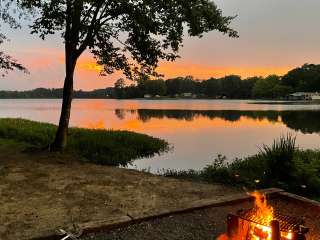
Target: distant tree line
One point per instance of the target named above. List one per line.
(55, 93)
(301, 79)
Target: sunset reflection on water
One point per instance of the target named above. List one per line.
(198, 129)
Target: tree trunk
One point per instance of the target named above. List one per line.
(60, 141)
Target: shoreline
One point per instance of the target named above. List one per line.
(58, 190)
(248, 101)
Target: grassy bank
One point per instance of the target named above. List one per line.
(281, 165)
(109, 147)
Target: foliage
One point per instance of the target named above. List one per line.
(305, 78)
(211, 87)
(279, 157)
(180, 85)
(56, 93)
(270, 87)
(119, 86)
(230, 86)
(106, 147)
(233, 87)
(120, 83)
(125, 35)
(155, 87)
(7, 63)
(281, 165)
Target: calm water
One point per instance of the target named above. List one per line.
(198, 129)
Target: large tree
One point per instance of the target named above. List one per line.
(126, 35)
(305, 78)
(7, 63)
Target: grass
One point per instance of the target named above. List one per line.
(281, 165)
(108, 147)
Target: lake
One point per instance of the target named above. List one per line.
(197, 129)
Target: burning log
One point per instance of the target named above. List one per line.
(263, 223)
(233, 225)
(275, 230)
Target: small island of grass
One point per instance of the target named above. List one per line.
(107, 147)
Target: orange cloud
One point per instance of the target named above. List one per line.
(206, 71)
(89, 64)
(51, 62)
(201, 71)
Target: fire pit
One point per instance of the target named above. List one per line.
(263, 223)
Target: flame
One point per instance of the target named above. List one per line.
(257, 231)
(265, 211)
(262, 207)
(223, 237)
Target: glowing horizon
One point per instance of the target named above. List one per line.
(275, 36)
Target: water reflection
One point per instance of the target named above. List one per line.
(304, 121)
(198, 129)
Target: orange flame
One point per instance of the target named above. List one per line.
(262, 207)
(257, 232)
(223, 237)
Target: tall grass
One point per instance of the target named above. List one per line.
(279, 158)
(107, 147)
(282, 165)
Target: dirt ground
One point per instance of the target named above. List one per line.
(40, 193)
(205, 224)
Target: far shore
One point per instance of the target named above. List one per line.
(250, 101)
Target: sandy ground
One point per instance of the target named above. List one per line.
(40, 193)
(205, 224)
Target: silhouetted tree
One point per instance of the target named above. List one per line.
(119, 31)
(230, 86)
(263, 88)
(305, 78)
(119, 86)
(270, 87)
(181, 85)
(246, 87)
(211, 87)
(156, 87)
(120, 83)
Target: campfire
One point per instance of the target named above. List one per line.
(262, 222)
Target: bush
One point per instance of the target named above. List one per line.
(279, 159)
(107, 147)
(280, 165)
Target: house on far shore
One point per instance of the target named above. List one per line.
(147, 96)
(304, 96)
(316, 97)
(188, 95)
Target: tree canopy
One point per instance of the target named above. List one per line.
(130, 36)
(127, 35)
(7, 63)
(305, 78)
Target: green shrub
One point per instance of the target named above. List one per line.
(279, 158)
(281, 165)
(306, 173)
(107, 147)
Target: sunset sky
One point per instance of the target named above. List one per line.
(275, 36)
